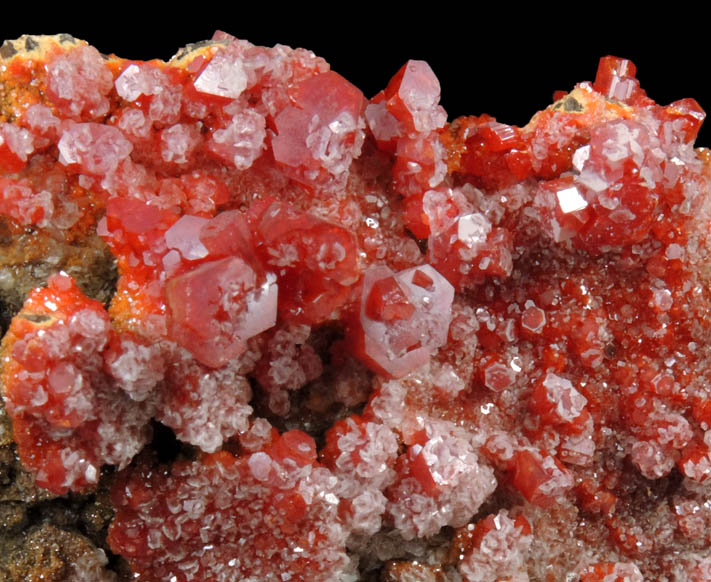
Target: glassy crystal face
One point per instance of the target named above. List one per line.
(404, 318)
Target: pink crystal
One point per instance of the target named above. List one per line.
(397, 346)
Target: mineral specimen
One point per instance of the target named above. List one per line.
(348, 340)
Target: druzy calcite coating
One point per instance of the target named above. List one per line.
(389, 347)
(69, 414)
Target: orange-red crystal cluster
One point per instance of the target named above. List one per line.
(511, 318)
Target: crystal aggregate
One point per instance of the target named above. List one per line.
(387, 344)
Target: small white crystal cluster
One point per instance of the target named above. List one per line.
(213, 520)
(460, 482)
(501, 554)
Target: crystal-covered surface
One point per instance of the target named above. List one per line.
(449, 351)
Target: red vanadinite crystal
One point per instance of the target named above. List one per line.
(496, 548)
(226, 516)
(69, 415)
(469, 327)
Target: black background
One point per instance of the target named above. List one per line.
(495, 60)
